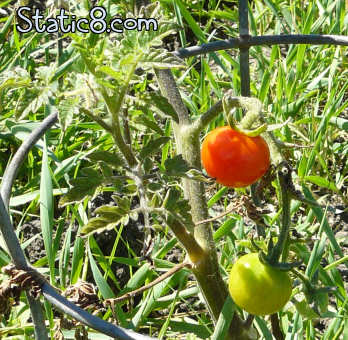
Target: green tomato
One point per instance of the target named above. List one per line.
(257, 288)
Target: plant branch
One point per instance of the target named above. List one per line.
(100, 121)
(114, 110)
(219, 216)
(200, 123)
(165, 77)
(116, 130)
(284, 175)
(139, 182)
(127, 134)
(142, 289)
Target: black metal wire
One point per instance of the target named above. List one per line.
(268, 40)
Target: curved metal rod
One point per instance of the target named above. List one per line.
(6, 227)
(88, 319)
(249, 41)
(20, 261)
(13, 167)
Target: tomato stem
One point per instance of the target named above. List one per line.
(303, 278)
(284, 175)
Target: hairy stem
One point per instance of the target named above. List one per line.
(116, 131)
(206, 266)
(283, 176)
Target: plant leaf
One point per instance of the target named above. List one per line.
(161, 103)
(176, 166)
(111, 158)
(82, 187)
(153, 146)
(109, 217)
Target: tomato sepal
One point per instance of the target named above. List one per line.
(282, 266)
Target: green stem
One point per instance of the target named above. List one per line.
(99, 120)
(186, 238)
(116, 131)
(200, 123)
(206, 266)
(303, 278)
(139, 182)
(115, 107)
(285, 225)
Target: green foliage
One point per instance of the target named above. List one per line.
(82, 186)
(109, 217)
(108, 81)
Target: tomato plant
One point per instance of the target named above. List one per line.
(233, 158)
(258, 288)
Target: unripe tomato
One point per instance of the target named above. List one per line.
(233, 158)
(258, 288)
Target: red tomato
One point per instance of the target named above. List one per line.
(233, 158)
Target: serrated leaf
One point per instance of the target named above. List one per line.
(109, 213)
(106, 83)
(176, 166)
(304, 309)
(149, 123)
(14, 78)
(97, 225)
(153, 146)
(147, 165)
(161, 58)
(41, 98)
(85, 182)
(179, 208)
(13, 83)
(162, 104)
(75, 195)
(171, 198)
(122, 202)
(110, 158)
(197, 176)
(82, 187)
(106, 170)
(111, 72)
(110, 217)
(66, 110)
(89, 172)
(154, 186)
